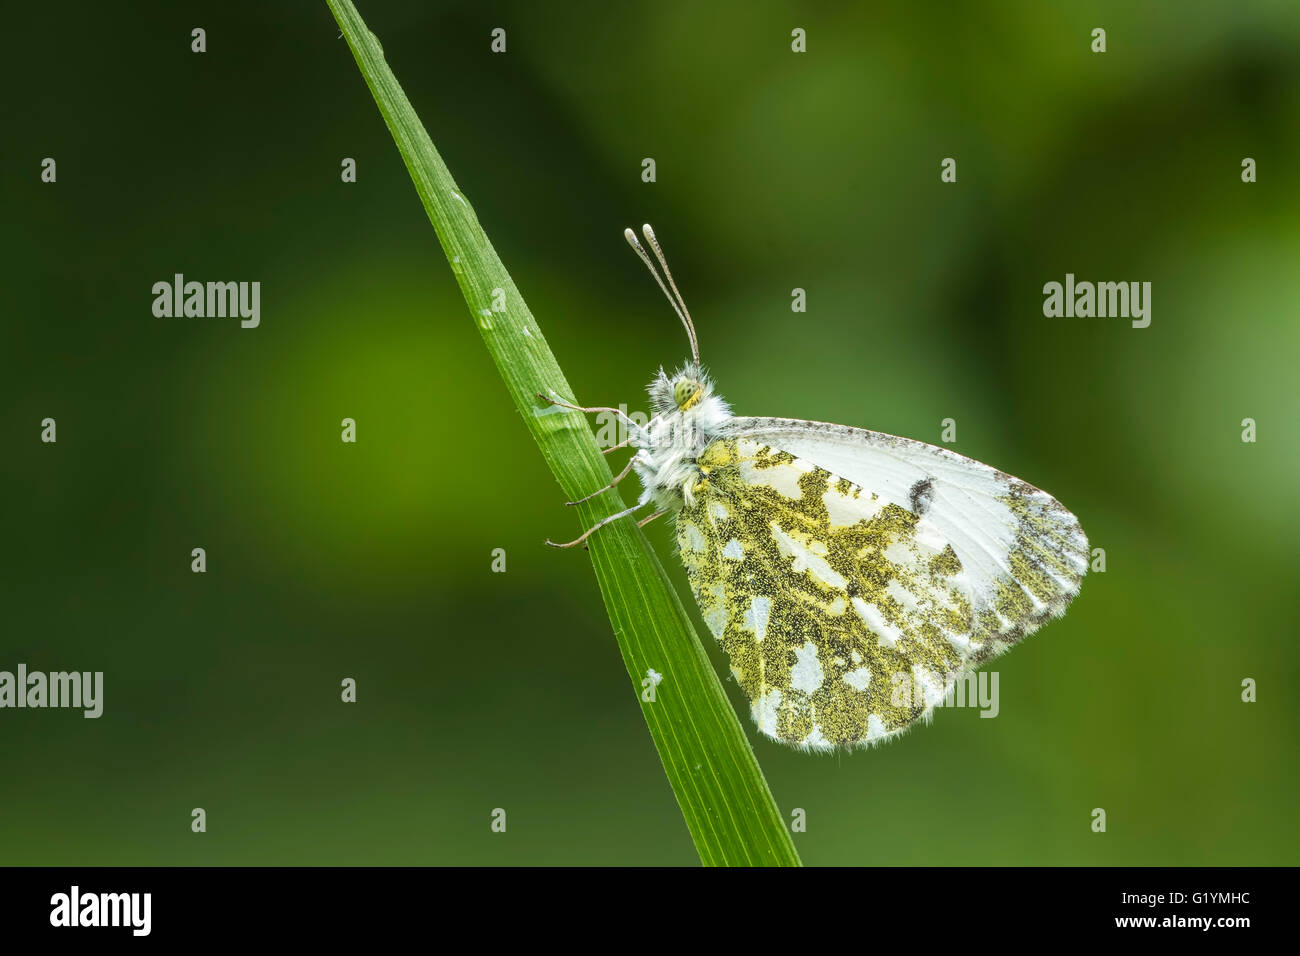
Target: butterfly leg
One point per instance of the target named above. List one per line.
(633, 429)
(645, 521)
(621, 475)
(623, 444)
(598, 525)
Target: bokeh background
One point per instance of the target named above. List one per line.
(775, 170)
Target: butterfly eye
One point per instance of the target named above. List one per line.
(684, 391)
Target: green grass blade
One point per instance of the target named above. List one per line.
(706, 756)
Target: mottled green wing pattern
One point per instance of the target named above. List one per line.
(845, 616)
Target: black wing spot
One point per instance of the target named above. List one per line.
(921, 495)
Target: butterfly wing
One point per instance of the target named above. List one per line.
(853, 577)
(1002, 529)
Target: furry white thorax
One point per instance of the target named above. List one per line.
(674, 438)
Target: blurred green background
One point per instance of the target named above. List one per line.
(775, 170)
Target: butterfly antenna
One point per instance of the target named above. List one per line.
(685, 312)
(674, 297)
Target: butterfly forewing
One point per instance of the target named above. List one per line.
(850, 603)
(1004, 531)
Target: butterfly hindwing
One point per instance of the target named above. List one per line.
(836, 601)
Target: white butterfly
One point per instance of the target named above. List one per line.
(843, 569)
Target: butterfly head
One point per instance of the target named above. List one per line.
(687, 397)
(684, 390)
(687, 391)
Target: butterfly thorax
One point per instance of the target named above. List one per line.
(687, 417)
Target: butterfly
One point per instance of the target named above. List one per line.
(851, 576)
